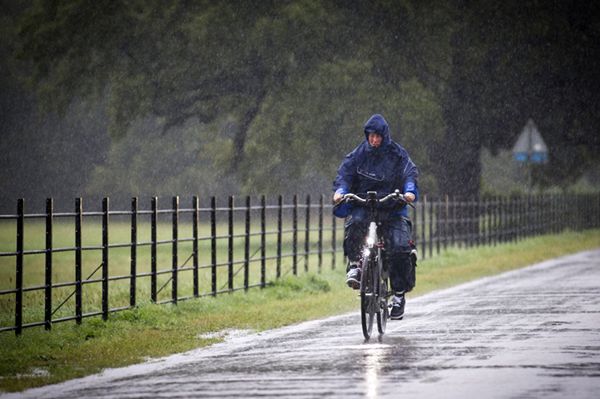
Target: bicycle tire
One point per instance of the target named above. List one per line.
(382, 298)
(368, 298)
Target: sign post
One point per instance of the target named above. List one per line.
(530, 148)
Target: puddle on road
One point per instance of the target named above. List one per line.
(225, 334)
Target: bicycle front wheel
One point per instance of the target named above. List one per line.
(368, 296)
(382, 298)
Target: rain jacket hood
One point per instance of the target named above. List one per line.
(378, 124)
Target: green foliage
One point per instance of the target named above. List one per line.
(271, 70)
(276, 92)
(147, 162)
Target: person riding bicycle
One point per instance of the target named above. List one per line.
(379, 164)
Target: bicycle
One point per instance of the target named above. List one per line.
(375, 290)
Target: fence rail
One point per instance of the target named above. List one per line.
(227, 248)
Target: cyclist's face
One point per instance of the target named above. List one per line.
(375, 139)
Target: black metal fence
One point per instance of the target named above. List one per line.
(136, 255)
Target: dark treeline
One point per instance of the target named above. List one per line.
(142, 98)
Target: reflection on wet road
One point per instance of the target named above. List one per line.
(527, 334)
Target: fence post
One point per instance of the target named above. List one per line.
(105, 208)
(133, 268)
(295, 236)
(540, 210)
(494, 220)
(333, 240)
(478, 222)
(230, 244)
(263, 242)
(195, 221)
(438, 225)
(568, 218)
(523, 217)
(597, 217)
(500, 219)
(307, 234)
(590, 219)
(551, 213)
(247, 246)
(320, 242)
(423, 212)
(468, 217)
(483, 220)
(48, 282)
(19, 267)
(573, 211)
(78, 259)
(489, 206)
(527, 216)
(508, 216)
(559, 214)
(153, 239)
(213, 244)
(174, 247)
(458, 222)
(518, 214)
(597, 212)
(431, 207)
(453, 221)
(279, 233)
(446, 217)
(469, 221)
(594, 207)
(555, 214)
(528, 220)
(544, 212)
(532, 216)
(468, 212)
(509, 219)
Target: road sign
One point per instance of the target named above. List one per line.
(530, 146)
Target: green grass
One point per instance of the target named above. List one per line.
(119, 263)
(39, 357)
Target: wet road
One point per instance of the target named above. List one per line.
(525, 334)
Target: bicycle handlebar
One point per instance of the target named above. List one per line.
(392, 196)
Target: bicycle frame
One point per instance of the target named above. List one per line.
(374, 288)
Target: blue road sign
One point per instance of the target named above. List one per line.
(530, 146)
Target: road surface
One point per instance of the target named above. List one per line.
(530, 333)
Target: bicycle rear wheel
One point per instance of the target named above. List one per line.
(368, 296)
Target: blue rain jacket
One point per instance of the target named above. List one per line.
(383, 169)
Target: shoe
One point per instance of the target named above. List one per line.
(398, 303)
(353, 277)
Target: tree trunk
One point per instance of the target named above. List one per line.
(239, 140)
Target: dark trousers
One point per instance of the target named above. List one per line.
(397, 232)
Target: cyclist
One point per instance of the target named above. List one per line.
(382, 165)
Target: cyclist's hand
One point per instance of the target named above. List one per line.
(337, 197)
(409, 197)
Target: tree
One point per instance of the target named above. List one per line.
(176, 61)
(287, 82)
(42, 155)
(513, 61)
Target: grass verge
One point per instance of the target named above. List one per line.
(38, 357)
